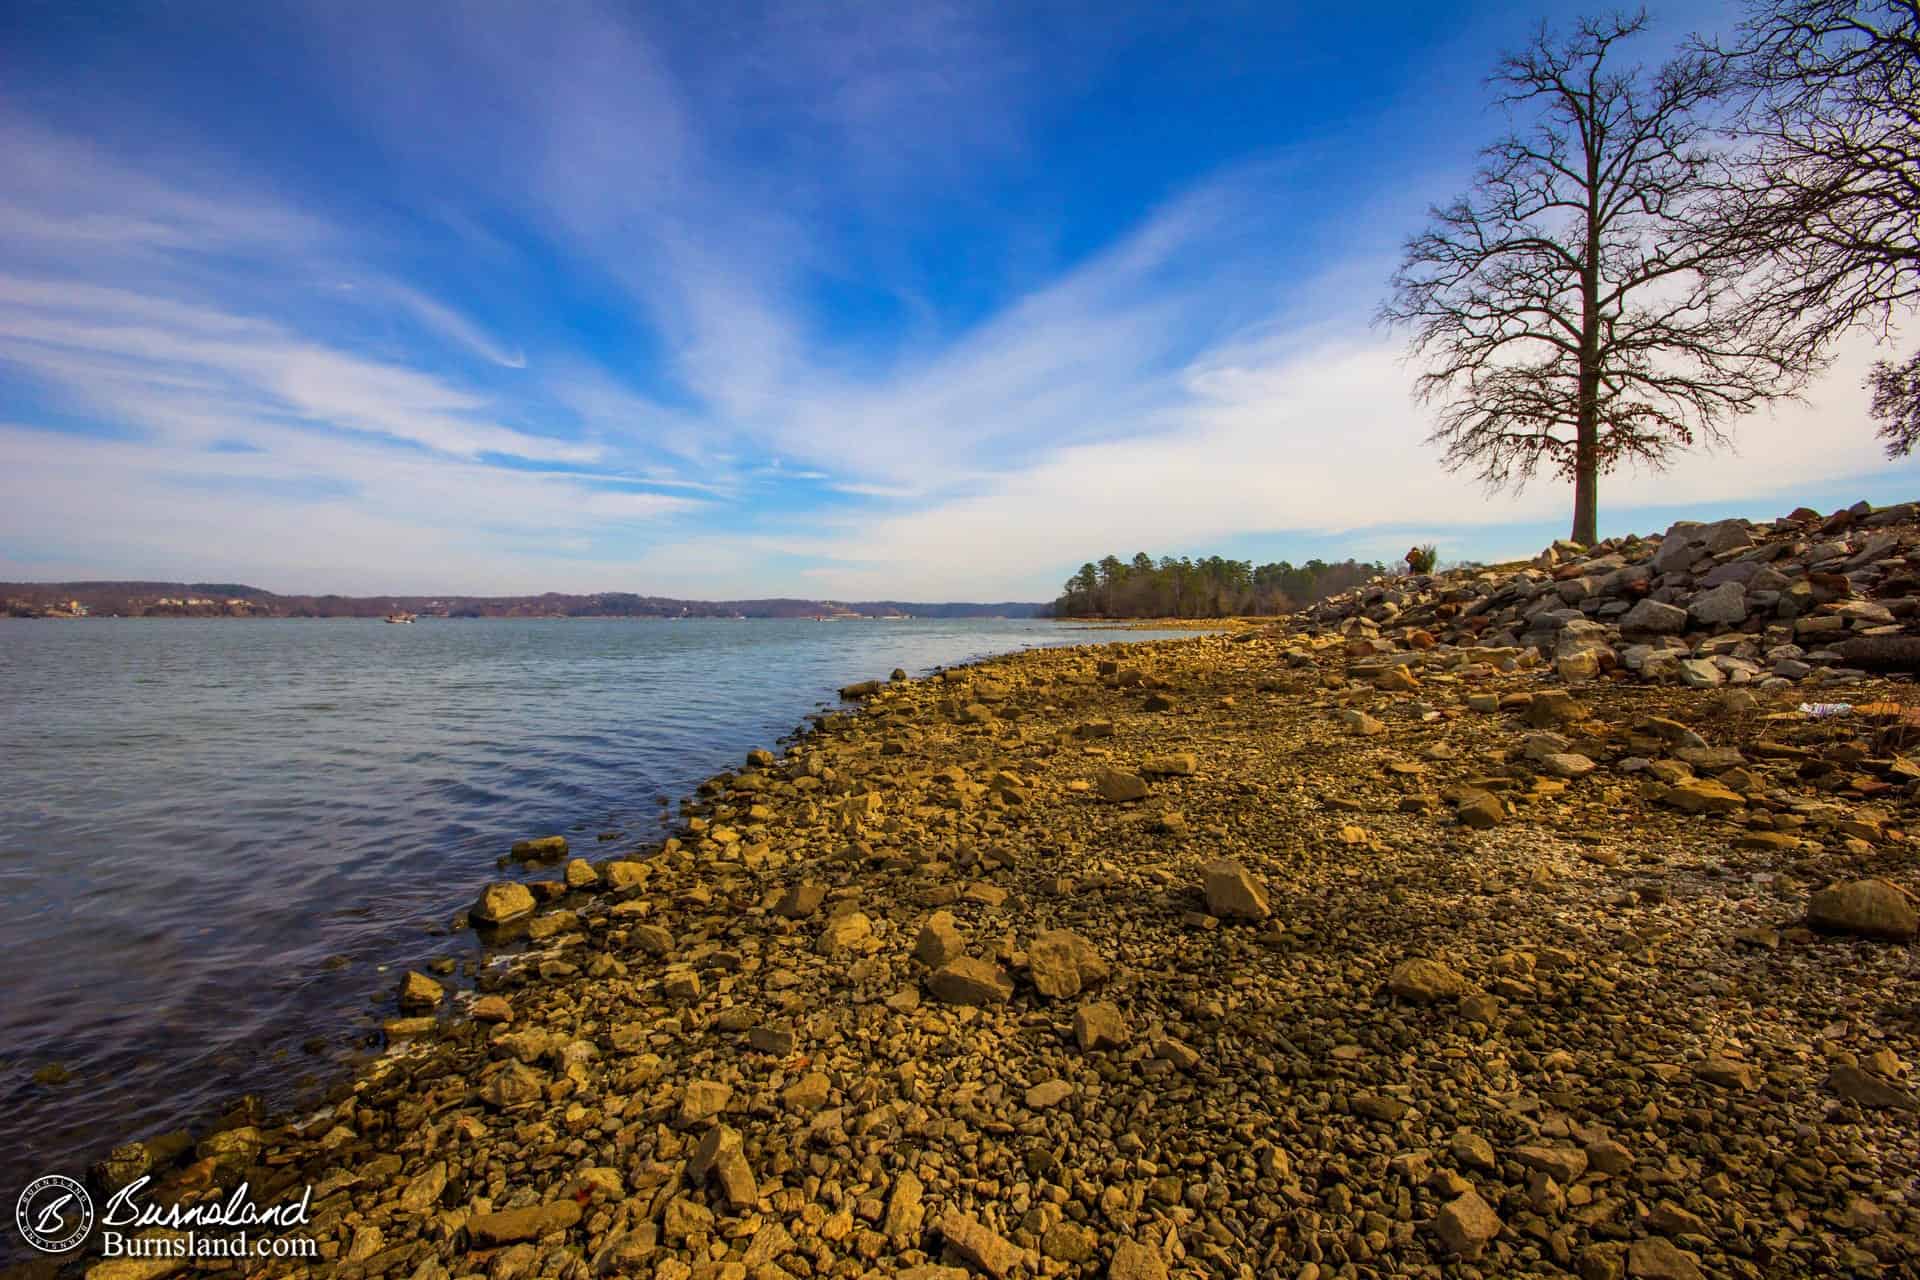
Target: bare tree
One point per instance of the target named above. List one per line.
(1824, 198)
(1562, 310)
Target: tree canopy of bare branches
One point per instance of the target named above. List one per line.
(1825, 196)
(1563, 312)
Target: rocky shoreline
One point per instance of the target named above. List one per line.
(1377, 941)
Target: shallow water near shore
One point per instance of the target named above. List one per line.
(215, 834)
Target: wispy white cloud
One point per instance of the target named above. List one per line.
(451, 324)
(1193, 381)
(237, 424)
(137, 351)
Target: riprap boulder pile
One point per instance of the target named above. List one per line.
(1804, 598)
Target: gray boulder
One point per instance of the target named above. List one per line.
(1723, 606)
(1650, 617)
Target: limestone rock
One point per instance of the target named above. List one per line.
(418, 991)
(684, 1219)
(1865, 908)
(1425, 980)
(809, 1093)
(1869, 1090)
(972, 982)
(1062, 964)
(1466, 1224)
(940, 940)
(1068, 1242)
(904, 1208)
(720, 1156)
(973, 1242)
(702, 1101)
(844, 933)
(1234, 893)
(1473, 1151)
(1567, 764)
(1178, 764)
(489, 1230)
(1048, 1093)
(424, 1188)
(625, 875)
(492, 1008)
(800, 900)
(1697, 795)
(1650, 617)
(539, 849)
(1550, 707)
(503, 901)
(515, 1085)
(1699, 673)
(1658, 1259)
(1564, 1164)
(1360, 724)
(1135, 1261)
(1396, 679)
(1100, 1025)
(1586, 664)
(1480, 810)
(1723, 606)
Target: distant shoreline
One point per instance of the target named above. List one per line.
(129, 599)
(1162, 624)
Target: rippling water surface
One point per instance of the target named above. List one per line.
(213, 834)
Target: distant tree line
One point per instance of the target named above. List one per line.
(1209, 588)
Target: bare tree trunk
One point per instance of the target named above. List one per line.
(1586, 428)
(1586, 486)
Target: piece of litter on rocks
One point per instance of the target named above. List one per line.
(1822, 710)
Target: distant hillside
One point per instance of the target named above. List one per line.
(237, 600)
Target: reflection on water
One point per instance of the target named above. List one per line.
(213, 833)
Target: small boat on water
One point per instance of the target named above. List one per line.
(399, 617)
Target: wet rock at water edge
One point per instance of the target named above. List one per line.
(418, 992)
(502, 902)
(539, 849)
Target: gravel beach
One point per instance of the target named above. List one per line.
(1189, 958)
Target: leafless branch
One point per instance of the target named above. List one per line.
(1567, 312)
(1824, 198)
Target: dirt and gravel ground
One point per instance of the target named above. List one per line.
(1191, 958)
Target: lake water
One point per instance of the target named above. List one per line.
(213, 834)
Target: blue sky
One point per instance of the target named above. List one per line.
(859, 301)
